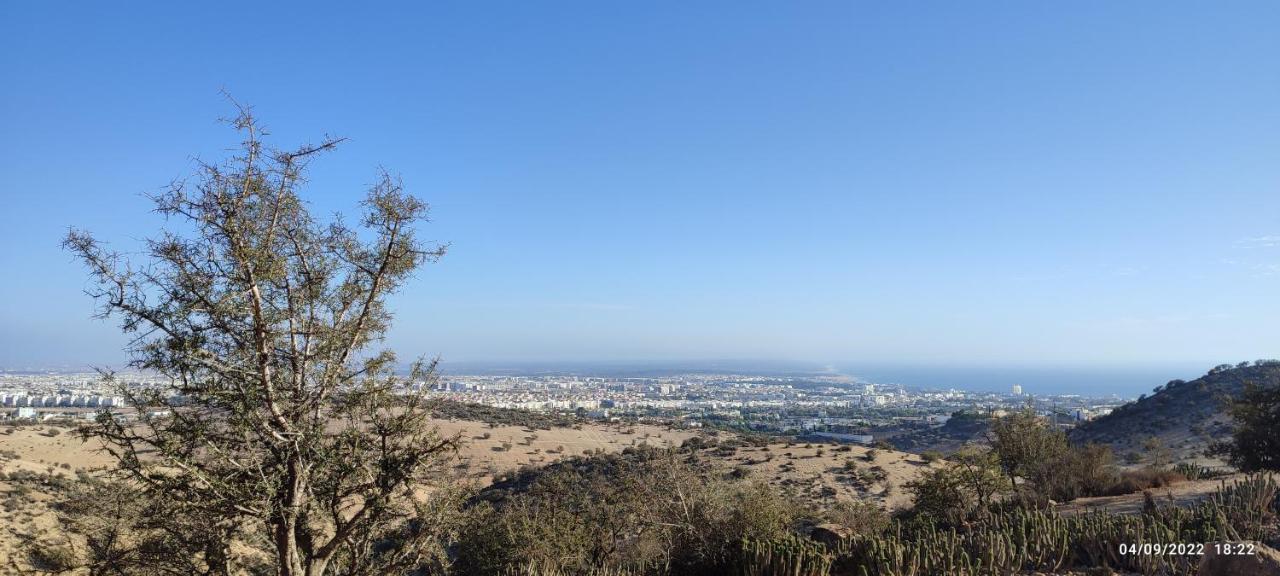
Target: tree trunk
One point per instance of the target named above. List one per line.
(289, 559)
(288, 563)
(317, 566)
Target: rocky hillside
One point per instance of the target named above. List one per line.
(1185, 416)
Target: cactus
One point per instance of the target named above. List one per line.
(791, 556)
(1019, 540)
(546, 569)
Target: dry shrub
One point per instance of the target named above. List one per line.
(1133, 481)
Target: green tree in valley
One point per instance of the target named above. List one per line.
(966, 487)
(1026, 448)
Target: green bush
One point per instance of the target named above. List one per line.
(644, 511)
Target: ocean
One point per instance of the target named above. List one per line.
(1124, 382)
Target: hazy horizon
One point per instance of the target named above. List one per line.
(1084, 184)
(1088, 380)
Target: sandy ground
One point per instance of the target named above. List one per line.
(490, 450)
(26, 512)
(1180, 494)
(813, 471)
(38, 452)
(819, 472)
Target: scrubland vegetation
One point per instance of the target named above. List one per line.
(502, 416)
(674, 511)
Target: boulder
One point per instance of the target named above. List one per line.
(830, 534)
(1265, 561)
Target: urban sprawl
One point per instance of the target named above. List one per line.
(835, 407)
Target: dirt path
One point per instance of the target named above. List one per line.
(1181, 494)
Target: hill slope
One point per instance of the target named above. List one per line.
(963, 428)
(1186, 416)
(31, 455)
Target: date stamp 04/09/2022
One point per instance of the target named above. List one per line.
(1187, 549)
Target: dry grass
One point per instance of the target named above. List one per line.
(814, 472)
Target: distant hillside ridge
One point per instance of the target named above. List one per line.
(1185, 416)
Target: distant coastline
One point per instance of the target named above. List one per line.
(1096, 381)
(1092, 381)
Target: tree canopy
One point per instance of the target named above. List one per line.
(292, 441)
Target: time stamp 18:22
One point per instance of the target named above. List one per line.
(1187, 549)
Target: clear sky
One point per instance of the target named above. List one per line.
(1033, 183)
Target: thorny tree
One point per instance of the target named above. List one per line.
(279, 429)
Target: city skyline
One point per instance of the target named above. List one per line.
(837, 184)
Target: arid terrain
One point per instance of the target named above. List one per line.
(811, 471)
(1186, 493)
(39, 450)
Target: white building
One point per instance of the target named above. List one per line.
(856, 438)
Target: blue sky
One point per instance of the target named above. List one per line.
(1031, 183)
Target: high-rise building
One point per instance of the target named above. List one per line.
(1017, 390)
